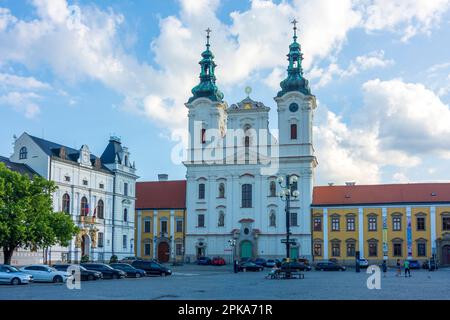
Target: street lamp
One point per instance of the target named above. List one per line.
(232, 243)
(286, 194)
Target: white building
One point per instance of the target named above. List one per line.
(98, 192)
(233, 164)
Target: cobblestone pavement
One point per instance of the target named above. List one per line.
(210, 283)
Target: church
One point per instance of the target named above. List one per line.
(234, 163)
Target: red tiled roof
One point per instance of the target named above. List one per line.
(161, 195)
(381, 194)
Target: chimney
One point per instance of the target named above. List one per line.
(350, 183)
(163, 177)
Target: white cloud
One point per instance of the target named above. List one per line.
(14, 81)
(23, 102)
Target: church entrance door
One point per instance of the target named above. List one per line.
(246, 249)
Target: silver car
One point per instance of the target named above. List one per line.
(44, 273)
(12, 275)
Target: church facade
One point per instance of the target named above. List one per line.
(234, 162)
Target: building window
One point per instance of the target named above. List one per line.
(126, 160)
(293, 221)
(85, 182)
(124, 241)
(350, 224)
(246, 195)
(373, 249)
(66, 178)
(101, 186)
(293, 131)
(179, 227)
(317, 224)
(84, 207)
(420, 223)
(147, 248)
(179, 249)
(446, 223)
(246, 143)
(100, 239)
(421, 249)
(221, 222)
(203, 136)
(201, 191)
(164, 226)
(372, 223)
(397, 249)
(397, 223)
(335, 224)
(272, 219)
(351, 249)
(66, 203)
(201, 220)
(221, 190)
(318, 249)
(336, 249)
(125, 215)
(100, 209)
(273, 189)
(23, 153)
(147, 225)
(125, 189)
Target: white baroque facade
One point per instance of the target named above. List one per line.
(98, 193)
(233, 164)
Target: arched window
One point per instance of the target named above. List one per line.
(247, 141)
(100, 209)
(272, 219)
(293, 131)
(221, 190)
(66, 203)
(125, 215)
(203, 136)
(23, 153)
(273, 189)
(221, 222)
(84, 207)
(246, 195)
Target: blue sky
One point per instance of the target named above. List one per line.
(76, 72)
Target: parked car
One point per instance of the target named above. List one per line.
(270, 263)
(414, 264)
(295, 266)
(363, 263)
(249, 266)
(85, 274)
(329, 266)
(12, 275)
(218, 261)
(260, 262)
(131, 271)
(44, 273)
(107, 271)
(204, 261)
(152, 268)
(129, 259)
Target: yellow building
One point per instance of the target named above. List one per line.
(160, 220)
(396, 221)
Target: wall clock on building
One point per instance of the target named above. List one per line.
(293, 107)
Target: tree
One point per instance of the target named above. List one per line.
(27, 219)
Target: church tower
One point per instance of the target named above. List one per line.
(296, 106)
(207, 110)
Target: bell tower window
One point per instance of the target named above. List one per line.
(293, 132)
(203, 136)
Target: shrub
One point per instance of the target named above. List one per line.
(84, 259)
(113, 259)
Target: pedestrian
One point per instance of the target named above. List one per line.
(407, 270)
(384, 267)
(399, 268)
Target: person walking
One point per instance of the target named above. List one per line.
(407, 270)
(399, 268)
(384, 268)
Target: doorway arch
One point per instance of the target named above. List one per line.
(163, 251)
(445, 255)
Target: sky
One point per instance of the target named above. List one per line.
(77, 72)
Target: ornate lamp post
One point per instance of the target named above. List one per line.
(232, 243)
(287, 192)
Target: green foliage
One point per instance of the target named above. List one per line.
(27, 219)
(113, 259)
(84, 259)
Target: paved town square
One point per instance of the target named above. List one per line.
(212, 283)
